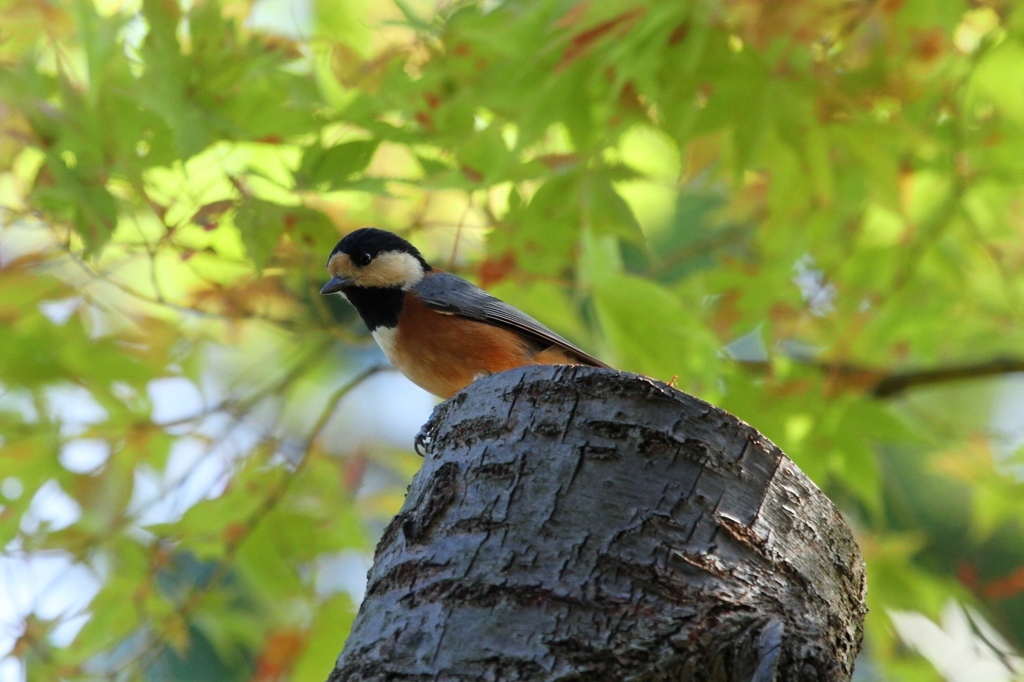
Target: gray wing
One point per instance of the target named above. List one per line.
(446, 293)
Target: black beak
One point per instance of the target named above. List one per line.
(336, 284)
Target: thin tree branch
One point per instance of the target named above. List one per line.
(883, 384)
(894, 384)
(703, 247)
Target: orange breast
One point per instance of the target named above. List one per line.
(444, 353)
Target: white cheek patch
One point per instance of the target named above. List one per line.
(340, 265)
(391, 269)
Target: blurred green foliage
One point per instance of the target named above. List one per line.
(808, 212)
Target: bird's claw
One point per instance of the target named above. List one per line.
(425, 438)
(422, 442)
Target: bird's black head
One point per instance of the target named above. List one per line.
(373, 258)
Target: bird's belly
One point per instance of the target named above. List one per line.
(420, 365)
(453, 355)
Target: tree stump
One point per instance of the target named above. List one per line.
(572, 523)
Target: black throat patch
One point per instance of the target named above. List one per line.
(378, 306)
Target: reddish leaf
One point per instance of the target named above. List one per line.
(493, 270)
(209, 215)
(582, 42)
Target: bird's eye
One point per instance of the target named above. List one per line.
(362, 259)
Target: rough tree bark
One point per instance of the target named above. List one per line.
(572, 523)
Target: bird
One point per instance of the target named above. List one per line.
(439, 330)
